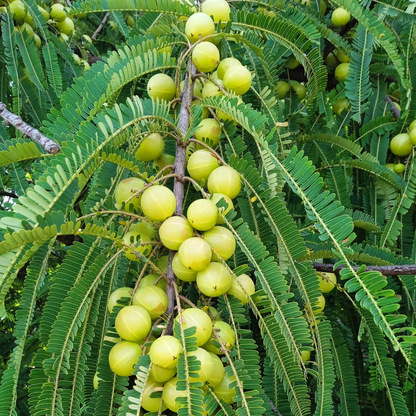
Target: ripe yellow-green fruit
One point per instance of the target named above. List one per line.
(217, 372)
(300, 90)
(218, 9)
(340, 17)
(205, 57)
(165, 160)
(149, 403)
(66, 26)
(208, 129)
(401, 145)
(133, 323)
(223, 390)
(199, 319)
(27, 28)
(341, 72)
(182, 272)
(126, 190)
(327, 281)
(134, 247)
(399, 168)
(225, 180)
(237, 79)
(123, 356)
(205, 364)
(412, 125)
(18, 10)
(222, 241)
(58, 12)
(161, 375)
(165, 351)
(202, 214)
(321, 305)
(215, 198)
(121, 292)
(212, 89)
(170, 393)
(340, 105)
(38, 42)
(343, 57)
(282, 88)
(174, 231)
(412, 136)
(143, 227)
(305, 355)
(331, 60)
(241, 286)
(95, 381)
(44, 13)
(158, 203)
(292, 63)
(226, 64)
(153, 299)
(130, 21)
(200, 165)
(198, 26)
(161, 86)
(195, 254)
(214, 281)
(226, 335)
(150, 148)
(29, 20)
(151, 279)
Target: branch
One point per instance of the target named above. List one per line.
(394, 110)
(407, 269)
(100, 26)
(9, 194)
(49, 145)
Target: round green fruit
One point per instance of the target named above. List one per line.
(327, 281)
(44, 13)
(412, 136)
(340, 105)
(412, 125)
(215, 198)
(171, 393)
(27, 28)
(205, 364)
(212, 89)
(130, 21)
(161, 86)
(201, 164)
(202, 214)
(223, 390)
(165, 351)
(237, 79)
(341, 72)
(343, 57)
(199, 319)
(214, 281)
(133, 246)
(305, 356)
(401, 145)
(29, 20)
(133, 323)
(18, 10)
(198, 26)
(222, 241)
(165, 160)
(143, 227)
(391, 166)
(292, 63)
(340, 17)
(331, 60)
(300, 91)
(195, 254)
(208, 129)
(38, 41)
(149, 403)
(122, 292)
(151, 148)
(66, 26)
(182, 272)
(158, 203)
(226, 335)
(218, 9)
(205, 57)
(161, 375)
(126, 191)
(123, 357)
(153, 299)
(282, 88)
(225, 180)
(151, 279)
(399, 168)
(241, 287)
(218, 371)
(321, 305)
(225, 65)
(174, 231)
(58, 12)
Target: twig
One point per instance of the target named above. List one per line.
(394, 110)
(9, 194)
(407, 269)
(101, 25)
(49, 145)
(68, 2)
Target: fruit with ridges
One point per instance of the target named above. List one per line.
(198, 26)
(215, 198)
(126, 190)
(399, 168)
(225, 180)
(133, 323)
(205, 360)
(212, 89)
(161, 375)
(174, 231)
(58, 12)
(226, 64)
(340, 17)
(18, 10)
(151, 279)
(341, 72)
(170, 393)
(208, 129)
(182, 272)
(134, 247)
(201, 164)
(327, 281)
(158, 203)
(195, 254)
(226, 335)
(214, 281)
(222, 241)
(237, 79)
(161, 86)
(202, 214)
(150, 148)
(241, 286)
(149, 403)
(121, 292)
(194, 317)
(153, 299)
(66, 26)
(223, 390)
(165, 351)
(217, 372)
(205, 57)
(218, 9)
(401, 145)
(282, 88)
(340, 105)
(123, 356)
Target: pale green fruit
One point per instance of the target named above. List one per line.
(199, 319)
(226, 335)
(390, 166)
(148, 403)
(165, 160)
(401, 145)
(174, 231)
(143, 227)
(341, 72)
(223, 390)
(300, 91)
(331, 60)
(77, 59)
(241, 287)
(399, 168)
(58, 12)
(222, 241)
(44, 13)
(182, 272)
(96, 380)
(86, 38)
(158, 203)
(292, 63)
(166, 49)
(215, 198)
(343, 57)
(225, 180)
(133, 323)
(165, 351)
(225, 64)
(412, 125)
(27, 28)
(195, 254)
(210, 129)
(18, 10)
(123, 356)
(197, 88)
(340, 17)
(122, 292)
(66, 26)
(126, 191)
(212, 89)
(130, 21)
(321, 305)
(214, 281)
(282, 88)
(412, 136)
(327, 281)
(340, 105)
(133, 248)
(217, 372)
(237, 79)
(151, 279)
(202, 214)
(218, 9)
(38, 41)
(150, 148)
(86, 65)
(200, 165)
(205, 364)
(161, 375)
(198, 26)
(305, 355)
(205, 57)
(170, 393)
(151, 298)
(161, 86)
(29, 20)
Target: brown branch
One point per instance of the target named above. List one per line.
(407, 269)
(101, 25)
(49, 145)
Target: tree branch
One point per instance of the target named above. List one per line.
(101, 25)
(394, 110)
(406, 269)
(9, 194)
(49, 145)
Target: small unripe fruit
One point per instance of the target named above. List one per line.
(151, 148)
(225, 180)
(412, 136)
(161, 375)
(18, 10)
(133, 323)
(341, 72)
(66, 26)
(195, 254)
(215, 198)
(201, 164)
(44, 13)
(198, 26)
(343, 57)
(130, 21)
(170, 393)
(165, 160)
(399, 168)
(222, 241)
(205, 57)
(300, 91)
(165, 351)
(331, 60)
(158, 203)
(194, 317)
(123, 356)
(210, 129)
(126, 189)
(58, 12)
(242, 287)
(161, 86)
(340, 105)
(237, 79)
(305, 355)
(122, 292)
(327, 281)
(197, 88)
(134, 247)
(292, 63)
(218, 9)
(401, 145)
(226, 64)
(143, 227)
(214, 281)
(217, 372)
(149, 403)
(282, 88)
(226, 335)
(29, 20)
(153, 299)
(174, 231)
(212, 89)
(151, 279)
(86, 39)
(38, 41)
(202, 214)
(27, 28)
(223, 390)
(76, 58)
(182, 272)
(340, 17)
